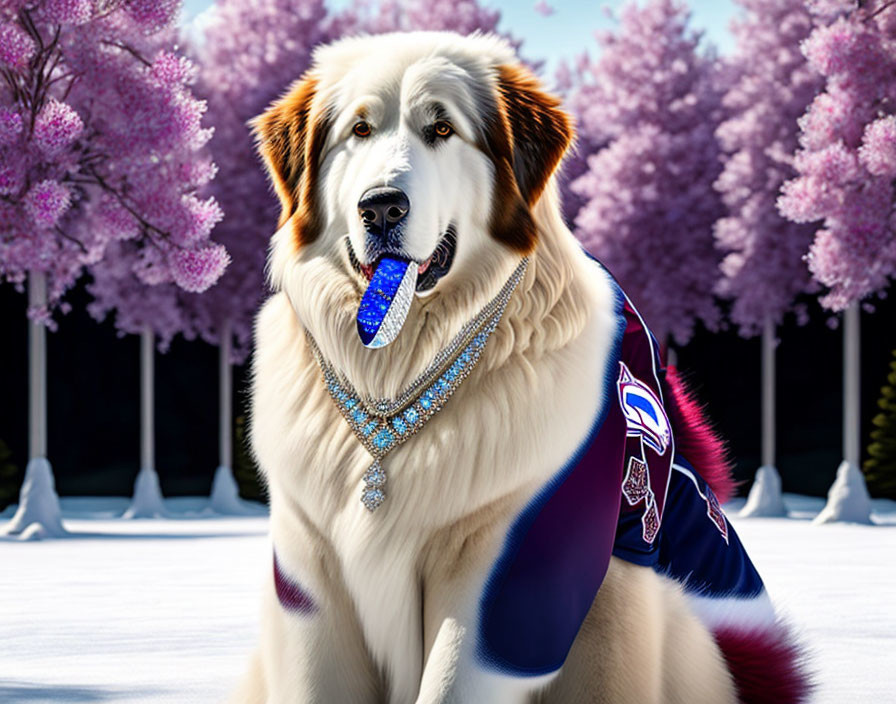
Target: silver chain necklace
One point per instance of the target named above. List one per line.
(382, 424)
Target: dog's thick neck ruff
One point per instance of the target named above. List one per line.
(383, 424)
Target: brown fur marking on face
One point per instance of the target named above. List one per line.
(525, 138)
(541, 132)
(291, 135)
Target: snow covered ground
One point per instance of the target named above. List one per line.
(166, 610)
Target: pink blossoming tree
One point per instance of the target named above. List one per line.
(76, 175)
(847, 159)
(649, 203)
(846, 167)
(763, 269)
(249, 54)
(581, 96)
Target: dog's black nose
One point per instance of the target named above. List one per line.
(382, 208)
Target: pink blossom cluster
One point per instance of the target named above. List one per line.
(580, 92)
(101, 141)
(847, 160)
(463, 16)
(648, 203)
(771, 84)
(66, 11)
(153, 15)
(10, 126)
(878, 150)
(135, 305)
(251, 51)
(16, 47)
(46, 201)
(56, 128)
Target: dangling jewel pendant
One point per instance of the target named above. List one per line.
(374, 481)
(381, 425)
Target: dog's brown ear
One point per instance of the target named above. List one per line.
(290, 137)
(540, 131)
(526, 140)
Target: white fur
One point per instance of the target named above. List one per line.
(397, 590)
(738, 613)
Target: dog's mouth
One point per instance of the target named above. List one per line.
(392, 280)
(429, 271)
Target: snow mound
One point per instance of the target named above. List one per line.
(765, 495)
(848, 499)
(38, 514)
(147, 501)
(225, 497)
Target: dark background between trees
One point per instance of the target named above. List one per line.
(93, 378)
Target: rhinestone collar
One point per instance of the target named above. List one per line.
(383, 424)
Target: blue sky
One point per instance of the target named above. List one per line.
(570, 30)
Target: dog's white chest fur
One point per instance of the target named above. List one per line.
(478, 457)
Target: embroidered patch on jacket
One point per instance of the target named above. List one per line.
(644, 413)
(650, 521)
(636, 488)
(645, 419)
(636, 485)
(714, 511)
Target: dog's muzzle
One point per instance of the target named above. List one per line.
(392, 277)
(387, 300)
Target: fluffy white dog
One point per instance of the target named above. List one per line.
(484, 487)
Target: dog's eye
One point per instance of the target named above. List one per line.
(443, 129)
(361, 129)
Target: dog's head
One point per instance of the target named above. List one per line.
(431, 148)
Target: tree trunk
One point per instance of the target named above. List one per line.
(848, 498)
(225, 496)
(38, 514)
(147, 501)
(765, 497)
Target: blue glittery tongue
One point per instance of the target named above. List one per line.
(386, 302)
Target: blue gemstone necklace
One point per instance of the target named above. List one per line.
(381, 425)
